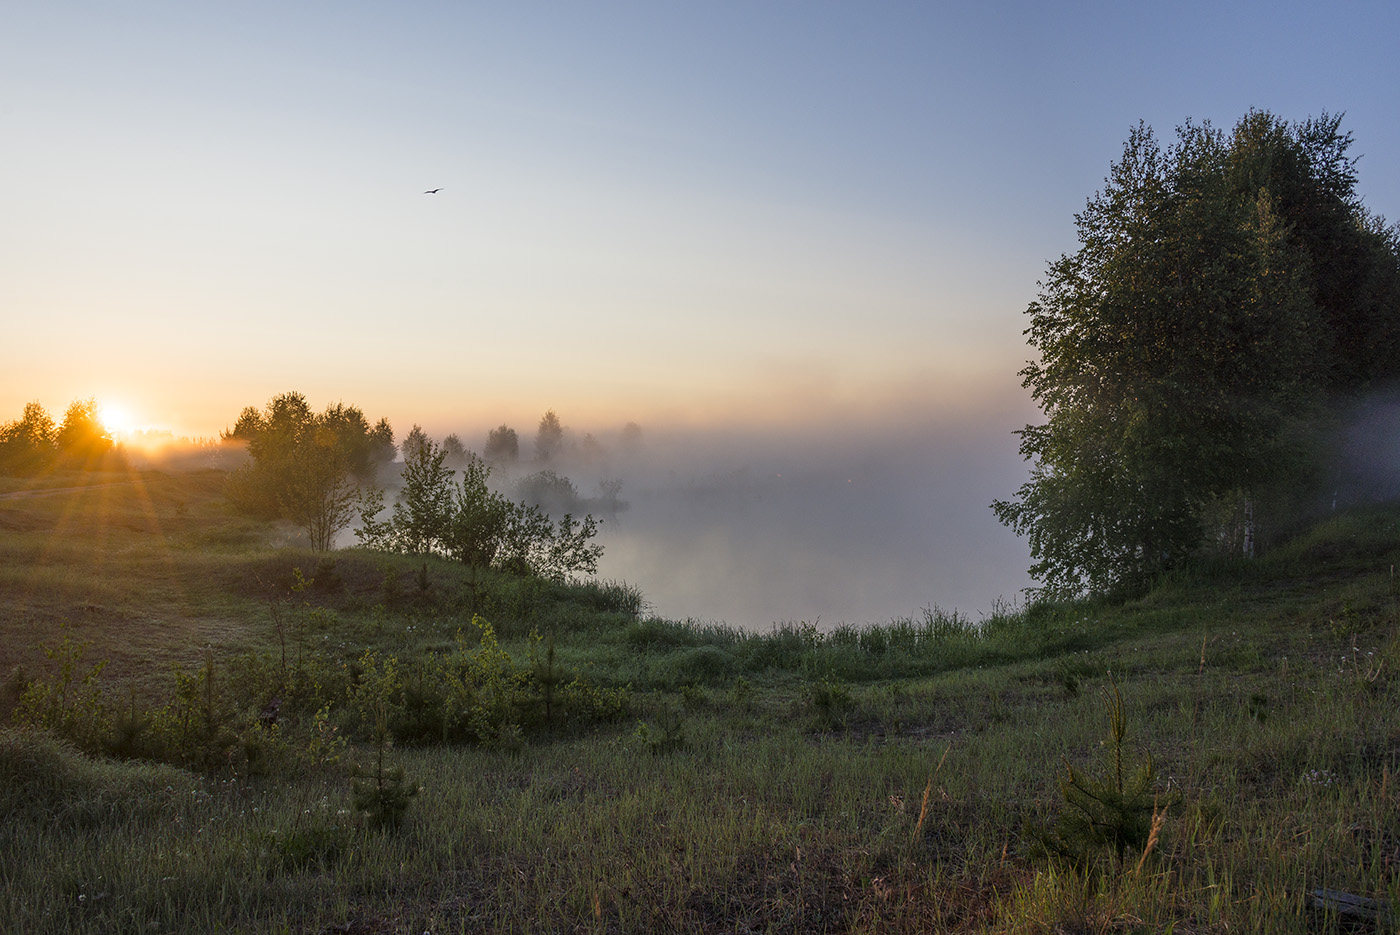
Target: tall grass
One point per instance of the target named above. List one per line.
(858, 779)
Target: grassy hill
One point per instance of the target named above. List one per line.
(191, 697)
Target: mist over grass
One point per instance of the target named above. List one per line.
(1370, 450)
(159, 450)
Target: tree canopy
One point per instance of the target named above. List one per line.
(307, 467)
(1225, 287)
(34, 443)
(28, 445)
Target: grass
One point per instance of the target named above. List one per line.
(881, 779)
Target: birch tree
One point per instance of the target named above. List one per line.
(1175, 346)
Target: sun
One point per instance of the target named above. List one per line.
(116, 419)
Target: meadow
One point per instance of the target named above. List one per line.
(209, 728)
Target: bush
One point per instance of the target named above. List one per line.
(831, 703)
(700, 665)
(196, 727)
(70, 703)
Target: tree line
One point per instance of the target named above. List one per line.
(34, 443)
(1229, 295)
(321, 471)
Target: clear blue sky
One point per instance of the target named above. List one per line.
(652, 211)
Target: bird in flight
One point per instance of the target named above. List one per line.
(432, 191)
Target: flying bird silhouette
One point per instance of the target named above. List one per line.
(432, 191)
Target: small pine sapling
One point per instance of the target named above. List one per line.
(1113, 811)
(382, 794)
(546, 675)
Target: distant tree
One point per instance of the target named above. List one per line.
(424, 512)
(82, 438)
(480, 517)
(382, 449)
(502, 445)
(456, 451)
(591, 449)
(365, 449)
(36, 427)
(554, 493)
(320, 493)
(549, 438)
(415, 443)
(1183, 345)
(273, 436)
(631, 436)
(609, 488)
(248, 426)
(28, 445)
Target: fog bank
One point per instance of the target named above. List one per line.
(853, 523)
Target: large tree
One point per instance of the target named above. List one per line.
(82, 438)
(1182, 342)
(307, 467)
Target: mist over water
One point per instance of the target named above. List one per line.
(852, 525)
(865, 523)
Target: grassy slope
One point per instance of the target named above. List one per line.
(879, 780)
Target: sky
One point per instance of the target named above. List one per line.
(764, 217)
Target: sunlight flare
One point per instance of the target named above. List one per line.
(116, 419)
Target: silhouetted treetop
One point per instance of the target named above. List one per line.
(549, 438)
(502, 444)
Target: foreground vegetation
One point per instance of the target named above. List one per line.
(214, 730)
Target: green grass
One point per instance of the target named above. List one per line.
(881, 779)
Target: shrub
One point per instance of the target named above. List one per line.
(195, 727)
(831, 702)
(380, 791)
(319, 844)
(698, 665)
(70, 703)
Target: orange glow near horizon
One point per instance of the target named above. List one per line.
(116, 419)
(787, 399)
